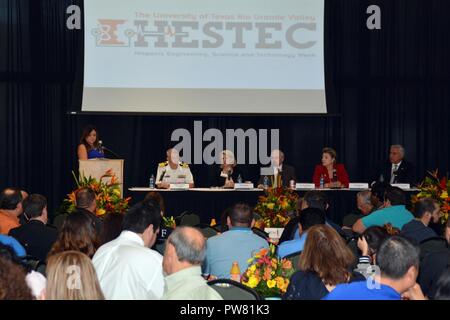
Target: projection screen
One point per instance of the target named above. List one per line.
(220, 56)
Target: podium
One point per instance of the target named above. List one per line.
(96, 168)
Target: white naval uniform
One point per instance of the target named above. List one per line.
(182, 174)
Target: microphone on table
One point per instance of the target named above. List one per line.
(162, 176)
(229, 174)
(100, 146)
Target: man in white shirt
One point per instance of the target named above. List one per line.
(126, 267)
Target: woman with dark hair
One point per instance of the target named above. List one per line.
(78, 233)
(89, 147)
(333, 174)
(368, 244)
(324, 263)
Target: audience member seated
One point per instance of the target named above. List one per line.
(239, 243)
(126, 267)
(71, 276)
(417, 230)
(35, 235)
(368, 243)
(183, 257)
(308, 218)
(85, 201)
(324, 263)
(364, 205)
(433, 265)
(378, 192)
(398, 261)
(15, 245)
(10, 209)
(111, 227)
(77, 234)
(156, 196)
(12, 281)
(333, 174)
(394, 212)
(443, 287)
(311, 199)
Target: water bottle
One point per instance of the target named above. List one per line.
(239, 179)
(266, 182)
(321, 181)
(151, 183)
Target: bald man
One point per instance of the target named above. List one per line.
(184, 254)
(173, 171)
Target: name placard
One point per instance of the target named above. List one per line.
(357, 185)
(179, 186)
(305, 186)
(245, 186)
(402, 185)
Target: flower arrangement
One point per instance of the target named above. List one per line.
(108, 194)
(169, 222)
(435, 188)
(274, 207)
(267, 274)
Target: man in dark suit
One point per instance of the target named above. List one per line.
(86, 202)
(398, 170)
(277, 170)
(35, 235)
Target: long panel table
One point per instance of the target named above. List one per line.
(210, 203)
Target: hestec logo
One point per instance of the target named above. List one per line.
(210, 35)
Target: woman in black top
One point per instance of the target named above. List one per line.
(228, 174)
(324, 263)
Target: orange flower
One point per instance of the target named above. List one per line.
(286, 264)
(267, 274)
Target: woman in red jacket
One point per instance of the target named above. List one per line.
(334, 174)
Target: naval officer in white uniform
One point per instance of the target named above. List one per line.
(173, 171)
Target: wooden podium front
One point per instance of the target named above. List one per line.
(96, 168)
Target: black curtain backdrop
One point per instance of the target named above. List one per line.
(383, 87)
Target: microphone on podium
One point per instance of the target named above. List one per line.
(102, 149)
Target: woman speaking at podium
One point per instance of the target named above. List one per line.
(89, 147)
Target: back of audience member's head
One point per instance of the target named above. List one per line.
(111, 227)
(316, 199)
(85, 198)
(156, 196)
(241, 215)
(35, 206)
(140, 217)
(10, 199)
(443, 286)
(395, 196)
(375, 236)
(378, 190)
(12, 281)
(185, 247)
(327, 254)
(310, 217)
(78, 233)
(7, 252)
(447, 232)
(398, 259)
(71, 276)
(423, 206)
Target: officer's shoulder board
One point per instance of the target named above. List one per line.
(163, 164)
(184, 165)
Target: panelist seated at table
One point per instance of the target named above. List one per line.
(89, 147)
(229, 174)
(173, 171)
(397, 169)
(277, 169)
(334, 174)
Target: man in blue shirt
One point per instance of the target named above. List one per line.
(307, 218)
(398, 262)
(238, 244)
(394, 212)
(18, 249)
